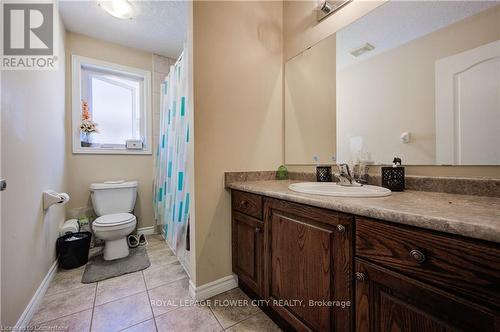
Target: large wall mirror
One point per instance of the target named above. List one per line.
(400, 81)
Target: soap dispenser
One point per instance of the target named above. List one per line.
(393, 178)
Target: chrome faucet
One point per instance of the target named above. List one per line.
(344, 175)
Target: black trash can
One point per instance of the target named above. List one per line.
(73, 249)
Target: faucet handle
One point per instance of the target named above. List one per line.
(344, 176)
(344, 169)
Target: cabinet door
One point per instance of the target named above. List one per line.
(387, 301)
(308, 265)
(247, 236)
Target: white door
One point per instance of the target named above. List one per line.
(468, 107)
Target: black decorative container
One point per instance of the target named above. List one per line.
(324, 173)
(393, 178)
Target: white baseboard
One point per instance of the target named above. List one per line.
(32, 306)
(213, 288)
(150, 230)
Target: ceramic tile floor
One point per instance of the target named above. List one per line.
(142, 301)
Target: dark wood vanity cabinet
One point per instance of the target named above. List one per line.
(308, 254)
(248, 245)
(298, 258)
(247, 203)
(388, 301)
(247, 239)
(409, 279)
(307, 261)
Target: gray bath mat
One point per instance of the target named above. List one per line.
(98, 269)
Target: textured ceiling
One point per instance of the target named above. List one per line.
(398, 22)
(157, 26)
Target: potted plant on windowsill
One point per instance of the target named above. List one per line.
(87, 127)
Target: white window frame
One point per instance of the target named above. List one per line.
(76, 112)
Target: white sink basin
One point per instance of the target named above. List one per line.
(333, 189)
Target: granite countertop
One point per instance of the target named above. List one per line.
(471, 216)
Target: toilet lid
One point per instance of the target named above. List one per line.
(114, 219)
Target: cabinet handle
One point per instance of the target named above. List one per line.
(418, 256)
(360, 276)
(258, 229)
(341, 228)
(243, 204)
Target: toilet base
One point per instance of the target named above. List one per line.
(115, 249)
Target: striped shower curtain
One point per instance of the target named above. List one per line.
(171, 183)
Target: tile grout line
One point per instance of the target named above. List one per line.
(168, 283)
(167, 312)
(124, 297)
(241, 321)
(127, 296)
(67, 290)
(126, 328)
(120, 298)
(94, 301)
(164, 313)
(162, 265)
(57, 318)
(149, 298)
(215, 316)
(93, 307)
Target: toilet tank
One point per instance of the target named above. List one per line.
(113, 197)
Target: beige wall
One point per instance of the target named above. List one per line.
(33, 160)
(380, 85)
(310, 105)
(85, 169)
(302, 30)
(238, 113)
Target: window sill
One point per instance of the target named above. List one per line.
(117, 151)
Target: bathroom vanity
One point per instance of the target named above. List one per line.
(411, 261)
(414, 261)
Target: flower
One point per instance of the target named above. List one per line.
(85, 110)
(87, 125)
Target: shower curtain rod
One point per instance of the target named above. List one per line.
(179, 58)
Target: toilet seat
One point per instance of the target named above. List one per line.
(113, 220)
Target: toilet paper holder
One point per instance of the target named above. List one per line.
(51, 197)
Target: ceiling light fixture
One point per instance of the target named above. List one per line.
(328, 7)
(118, 8)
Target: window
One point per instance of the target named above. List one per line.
(111, 106)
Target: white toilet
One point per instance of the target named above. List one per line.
(113, 201)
